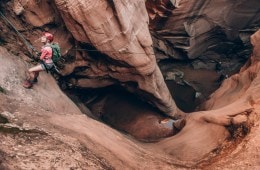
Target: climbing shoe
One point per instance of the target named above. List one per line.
(27, 84)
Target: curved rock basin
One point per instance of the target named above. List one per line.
(124, 56)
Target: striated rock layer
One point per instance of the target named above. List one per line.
(194, 28)
(108, 42)
(120, 30)
(42, 135)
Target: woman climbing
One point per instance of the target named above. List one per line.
(46, 58)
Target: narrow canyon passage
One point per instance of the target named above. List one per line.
(130, 114)
(135, 66)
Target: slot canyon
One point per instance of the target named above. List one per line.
(143, 84)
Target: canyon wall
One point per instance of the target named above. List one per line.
(108, 42)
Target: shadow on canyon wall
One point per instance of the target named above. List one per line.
(197, 50)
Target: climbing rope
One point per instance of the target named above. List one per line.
(109, 51)
(27, 43)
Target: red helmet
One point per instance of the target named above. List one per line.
(49, 36)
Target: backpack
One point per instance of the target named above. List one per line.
(56, 53)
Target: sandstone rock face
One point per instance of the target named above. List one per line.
(108, 42)
(194, 28)
(54, 131)
(36, 13)
(123, 53)
(213, 36)
(120, 30)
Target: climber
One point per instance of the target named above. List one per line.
(46, 61)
